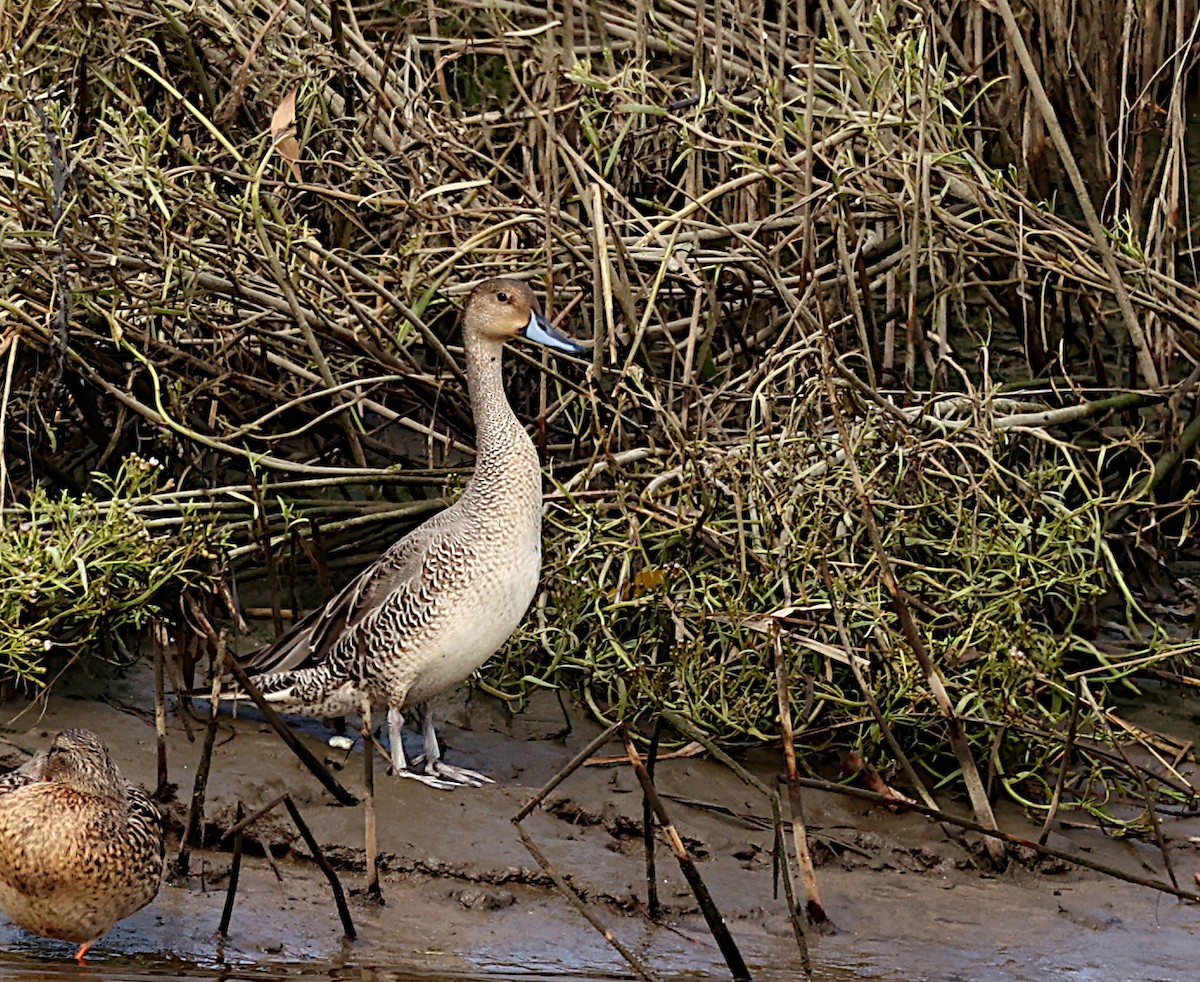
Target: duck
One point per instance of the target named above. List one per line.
(81, 848)
(440, 601)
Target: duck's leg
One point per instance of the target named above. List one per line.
(81, 954)
(400, 763)
(432, 758)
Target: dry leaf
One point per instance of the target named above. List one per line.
(283, 133)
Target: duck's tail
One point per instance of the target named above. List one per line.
(305, 692)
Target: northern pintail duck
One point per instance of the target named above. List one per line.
(80, 847)
(437, 604)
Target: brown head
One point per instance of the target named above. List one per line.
(80, 760)
(500, 309)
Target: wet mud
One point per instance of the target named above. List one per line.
(463, 898)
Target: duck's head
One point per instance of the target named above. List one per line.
(500, 309)
(79, 759)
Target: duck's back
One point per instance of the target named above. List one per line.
(72, 864)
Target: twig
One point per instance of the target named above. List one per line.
(1064, 767)
(559, 881)
(235, 870)
(339, 896)
(578, 903)
(254, 816)
(1147, 794)
(808, 874)
(318, 770)
(571, 767)
(712, 916)
(195, 815)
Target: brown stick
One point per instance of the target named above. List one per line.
(235, 870)
(653, 906)
(253, 817)
(712, 916)
(195, 815)
(880, 719)
(238, 830)
(1141, 346)
(319, 770)
(370, 836)
(808, 874)
(781, 855)
(339, 896)
(158, 632)
(565, 888)
(262, 528)
(578, 903)
(908, 627)
(1015, 840)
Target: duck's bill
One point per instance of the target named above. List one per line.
(541, 331)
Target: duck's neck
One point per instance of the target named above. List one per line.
(500, 439)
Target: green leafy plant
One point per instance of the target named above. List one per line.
(75, 569)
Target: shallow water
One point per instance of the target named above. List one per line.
(43, 961)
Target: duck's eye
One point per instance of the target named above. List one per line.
(502, 297)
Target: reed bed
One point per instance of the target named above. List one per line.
(906, 240)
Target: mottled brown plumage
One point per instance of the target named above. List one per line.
(80, 847)
(438, 603)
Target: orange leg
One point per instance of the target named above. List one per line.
(81, 954)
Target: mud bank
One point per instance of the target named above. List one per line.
(463, 897)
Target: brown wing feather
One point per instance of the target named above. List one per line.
(310, 641)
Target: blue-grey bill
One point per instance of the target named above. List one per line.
(541, 331)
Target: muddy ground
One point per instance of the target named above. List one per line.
(463, 897)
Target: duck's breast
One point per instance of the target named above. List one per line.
(479, 615)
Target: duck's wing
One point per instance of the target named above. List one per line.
(28, 773)
(408, 569)
(145, 819)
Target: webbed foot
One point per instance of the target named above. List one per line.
(458, 776)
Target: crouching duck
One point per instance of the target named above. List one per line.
(80, 847)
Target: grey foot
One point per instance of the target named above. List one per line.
(457, 776)
(430, 779)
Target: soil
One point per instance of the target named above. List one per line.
(910, 899)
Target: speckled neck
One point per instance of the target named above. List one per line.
(501, 444)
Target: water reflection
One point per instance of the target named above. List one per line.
(41, 961)
(39, 966)
(38, 960)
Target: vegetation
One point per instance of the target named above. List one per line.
(79, 574)
(858, 307)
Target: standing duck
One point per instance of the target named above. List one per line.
(80, 847)
(437, 604)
